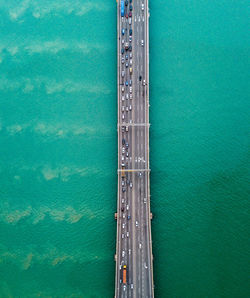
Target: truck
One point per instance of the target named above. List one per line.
(124, 274)
(122, 8)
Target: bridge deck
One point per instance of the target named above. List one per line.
(133, 243)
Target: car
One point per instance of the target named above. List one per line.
(123, 117)
(130, 48)
(126, 2)
(126, 57)
(144, 82)
(131, 62)
(123, 60)
(126, 109)
(130, 55)
(130, 89)
(127, 96)
(130, 82)
(130, 7)
(123, 73)
(130, 14)
(122, 209)
(123, 41)
(131, 96)
(139, 245)
(122, 236)
(123, 164)
(123, 89)
(123, 31)
(127, 234)
(142, 6)
(123, 151)
(126, 83)
(123, 225)
(126, 64)
(126, 45)
(123, 216)
(130, 108)
(127, 207)
(145, 200)
(129, 217)
(126, 128)
(126, 15)
(122, 50)
(140, 77)
(124, 287)
(130, 38)
(123, 189)
(127, 154)
(131, 286)
(130, 19)
(130, 31)
(131, 184)
(127, 145)
(128, 182)
(123, 183)
(123, 141)
(130, 70)
(136, 223)
(142, 42)
(123, 201)
(123, 97)
(123, 253)
(123, 109)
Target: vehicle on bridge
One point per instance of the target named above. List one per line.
(122, 8)
(124, 274)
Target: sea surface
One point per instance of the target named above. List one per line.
(58, 148)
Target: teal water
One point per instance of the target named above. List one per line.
(58, 148)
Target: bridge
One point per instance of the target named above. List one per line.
(134, 259)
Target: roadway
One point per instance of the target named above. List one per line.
(134, 244)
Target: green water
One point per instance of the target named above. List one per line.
(58, 148)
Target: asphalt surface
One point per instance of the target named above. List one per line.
(134, 245)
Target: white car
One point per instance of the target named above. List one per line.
(123, 253)
(142, 42)
(142, 6)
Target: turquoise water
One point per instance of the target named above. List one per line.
(58, 148)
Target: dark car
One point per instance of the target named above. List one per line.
(126, 2)
(130, 13)
(123, 31)
(130, 48)
(130, 7)
(126, 15)
(122, 209)
(130, 31)
(140, 78)
(123, 141)
(126, 83)
(126, 57)
(122, 51)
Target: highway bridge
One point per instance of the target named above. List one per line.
(134, 259)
